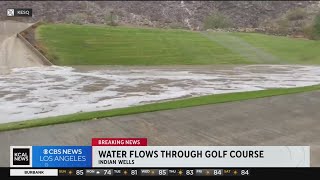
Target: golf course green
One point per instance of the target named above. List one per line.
(104, 45)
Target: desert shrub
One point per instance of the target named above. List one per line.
(283, 26)
(308, 31)
(313, 31)
(217, 20)
(316, 26)
(296, 14)
(78, 18)
(110, 19)
(177, 26)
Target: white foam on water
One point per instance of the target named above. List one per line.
(36, 92)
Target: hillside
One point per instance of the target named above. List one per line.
(174, 14)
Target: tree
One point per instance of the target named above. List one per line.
(316, 25)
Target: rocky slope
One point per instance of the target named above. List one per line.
(176, 14)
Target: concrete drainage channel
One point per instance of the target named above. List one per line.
(42, 91)
(34, 49)
(15, 51)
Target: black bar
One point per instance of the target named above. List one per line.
(24, 12)
(306, 172)
(167, 171)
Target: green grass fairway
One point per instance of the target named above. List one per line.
(197, 101)
(103, 45)
(295, 51)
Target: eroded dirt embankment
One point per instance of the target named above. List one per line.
(13, 52)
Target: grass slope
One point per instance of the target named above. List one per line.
(197, 101)
(102, 45)
(245, 49)
(290, 50)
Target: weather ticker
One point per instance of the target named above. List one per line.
(132, 172)
(205, 172)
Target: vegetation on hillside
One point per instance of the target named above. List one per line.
(77, 18)
(317, 26)
(110, 19)
(217, 20)
(296, 14)
(312, 31)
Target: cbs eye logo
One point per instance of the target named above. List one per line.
(45, 151)
(10, 12)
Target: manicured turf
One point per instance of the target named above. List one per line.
(102, 45)
(290, 50)
(211, 99)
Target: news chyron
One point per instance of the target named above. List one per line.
(127, 155)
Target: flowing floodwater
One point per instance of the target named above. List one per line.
(36, 92)
(13, 52)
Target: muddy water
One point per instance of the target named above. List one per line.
(36, 92)
(13, 52)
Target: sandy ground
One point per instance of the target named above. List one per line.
(281, 120)
(13, 52)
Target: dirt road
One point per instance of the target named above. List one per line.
(13, 52)
(282, 120)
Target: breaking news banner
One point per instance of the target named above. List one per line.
(201, 156)
(119, 142)
(134, 152)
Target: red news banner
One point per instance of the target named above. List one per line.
(119, 142)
